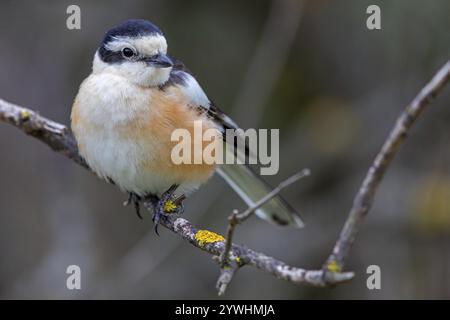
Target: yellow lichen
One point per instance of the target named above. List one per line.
(204, 237)
(24, 115)
(333, 266)
(169, 206)
(238, 259)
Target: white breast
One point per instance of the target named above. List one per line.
(105, 103)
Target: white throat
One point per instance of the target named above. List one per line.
(138, 73)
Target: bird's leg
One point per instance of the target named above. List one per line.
(135, 199)
(153, 200)
(168, 204)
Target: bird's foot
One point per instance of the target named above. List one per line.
(168, 204)
(134, 199)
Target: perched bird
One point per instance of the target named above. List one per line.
(126, 110)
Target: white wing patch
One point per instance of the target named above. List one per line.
(192, 89)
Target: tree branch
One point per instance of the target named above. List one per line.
(365, 196)
(54, 134)
(215, 245)
(227, 267)
(57, 137)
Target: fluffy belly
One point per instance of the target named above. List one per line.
(138, 166)
(127, 139)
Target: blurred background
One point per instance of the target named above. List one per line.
(310, 68)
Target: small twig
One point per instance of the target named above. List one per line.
(226, 275)
(232, 221)
(365, 196)
(236, 217)
(228, 267)
(241, 217)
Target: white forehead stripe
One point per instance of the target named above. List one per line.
(145, 45)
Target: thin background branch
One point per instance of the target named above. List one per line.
(270, 56)
(366, 194)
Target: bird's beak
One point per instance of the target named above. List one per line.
(159, 61)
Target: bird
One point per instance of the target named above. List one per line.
(125, 111)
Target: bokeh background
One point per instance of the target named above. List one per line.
(310, 68)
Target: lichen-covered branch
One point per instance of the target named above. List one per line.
(365, 196)
(215, 245)
(237, 217)
(58, 137)
(54, 134)
(227, 265)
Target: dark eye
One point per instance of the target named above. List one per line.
(127, 52)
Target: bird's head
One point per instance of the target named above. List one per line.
(135, 50)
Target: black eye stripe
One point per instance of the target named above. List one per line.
(109, 56)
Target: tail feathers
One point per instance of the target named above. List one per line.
(252, 188)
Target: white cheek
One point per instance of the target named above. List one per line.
(159, 76)
(142, 74)
(148, 76)
(136, 72)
